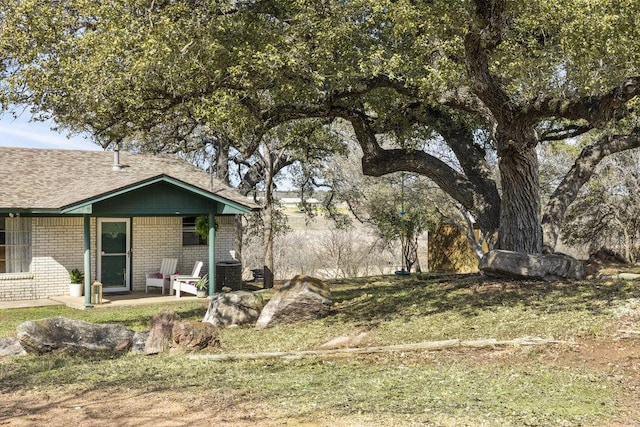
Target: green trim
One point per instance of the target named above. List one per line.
(225, 206)
(84, 210)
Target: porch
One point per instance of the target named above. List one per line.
(135, 298)
(112, 216)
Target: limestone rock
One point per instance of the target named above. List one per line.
(161, 332)
(234, 308)
(346, 341)
(139, 342)
(62, 334)
(531, 266)
(190, 336)
(301, 298)
(10, 346)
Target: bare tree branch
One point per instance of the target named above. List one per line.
(580, 173)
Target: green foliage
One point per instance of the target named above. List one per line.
(398, 206)
(114, 67)
(128, 51)
(76, 276)
(202, 226)
(166, 76)
(203, 283)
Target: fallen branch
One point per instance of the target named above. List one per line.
(622, 276)
(430, 345)
(629, 332)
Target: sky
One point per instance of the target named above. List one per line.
(22, 133)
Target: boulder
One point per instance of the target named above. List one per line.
(190, 336)
(234, 308)
(517, 265)
(169, 333)
(161, 332)
(139, 342)
(10, 346)
(301, 298)
(73, 336)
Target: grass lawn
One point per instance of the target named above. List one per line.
(592, 379)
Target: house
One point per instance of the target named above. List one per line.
(113, 215)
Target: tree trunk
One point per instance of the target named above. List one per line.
(268, 246)
(222, 160)
(268, 220)
(520, 228)
(627, 239)
(240, 230)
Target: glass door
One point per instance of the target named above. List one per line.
(113, 254)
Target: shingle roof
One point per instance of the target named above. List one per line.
(32, 178)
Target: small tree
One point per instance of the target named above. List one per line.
(607, 213)
(400, 213)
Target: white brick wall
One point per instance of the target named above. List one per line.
(225, 242)
(17, 286)
(58, 247)
(153, 238)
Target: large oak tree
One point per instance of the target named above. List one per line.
(490, 79)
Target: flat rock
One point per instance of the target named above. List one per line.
(10, 346)
(73, 336)
(346, 341)
(517, 265)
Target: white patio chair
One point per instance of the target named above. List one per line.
(157, 279)
(186, 283)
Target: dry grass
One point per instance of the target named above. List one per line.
(554, 385)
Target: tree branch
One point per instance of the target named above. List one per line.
(572, 131)
(580, 173)
(479, 44)
(377, 161)
(597, 110)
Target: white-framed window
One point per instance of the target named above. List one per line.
(190, 237)
(15, 244)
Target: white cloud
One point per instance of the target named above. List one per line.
(22, 133)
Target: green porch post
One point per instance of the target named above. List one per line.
(87, 261)
(212, 252)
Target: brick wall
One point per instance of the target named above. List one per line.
(17, 286)
(153, 238)
(58, 247)
(225, 242)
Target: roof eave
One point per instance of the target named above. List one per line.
(229, 207)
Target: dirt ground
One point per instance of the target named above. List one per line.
(618, 358)
(129, 409)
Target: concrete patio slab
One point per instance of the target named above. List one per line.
(28, 303)
(125, 300)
